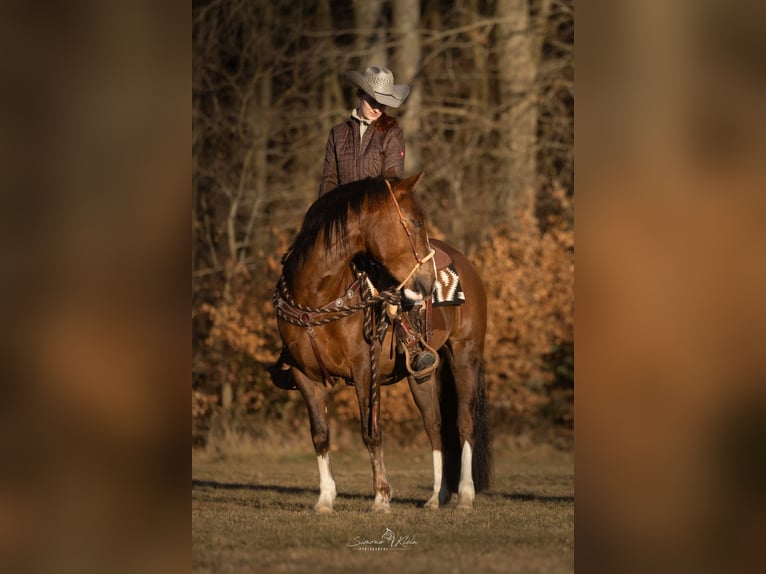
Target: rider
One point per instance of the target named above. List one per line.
(369, 144)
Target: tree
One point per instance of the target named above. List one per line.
(407, 64)
(370, 33)
(519, 41)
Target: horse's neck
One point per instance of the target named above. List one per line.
(328, 279)
(326, 273)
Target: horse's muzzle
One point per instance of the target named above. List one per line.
(422, 285)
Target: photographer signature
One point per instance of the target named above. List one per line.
(387, 541)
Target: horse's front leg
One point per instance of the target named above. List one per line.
(372, 433)
(315, 394)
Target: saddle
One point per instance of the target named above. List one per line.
(442, 260)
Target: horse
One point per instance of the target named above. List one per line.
(334, 330)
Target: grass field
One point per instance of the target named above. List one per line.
(252, 512)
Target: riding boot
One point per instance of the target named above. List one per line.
(421, 359)
(281, 376)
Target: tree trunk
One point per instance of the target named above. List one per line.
(407, 67)
(332, 89)
(517, 73)
(370, 39)
(259, 121)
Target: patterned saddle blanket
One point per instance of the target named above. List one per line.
(448, 290)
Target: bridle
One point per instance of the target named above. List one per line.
(406, 227)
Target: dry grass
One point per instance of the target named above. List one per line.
(251, 512)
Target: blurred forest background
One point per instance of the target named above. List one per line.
(490, 120)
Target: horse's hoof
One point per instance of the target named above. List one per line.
(323, 509)
(382, 503)
(433, 503)
(465, 498)
(381, 508)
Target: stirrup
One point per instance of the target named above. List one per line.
(422, 375)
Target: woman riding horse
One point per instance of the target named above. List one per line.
(370, 144)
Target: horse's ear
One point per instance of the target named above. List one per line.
(417, 178)
(408, 185)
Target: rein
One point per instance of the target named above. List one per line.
(303, 316)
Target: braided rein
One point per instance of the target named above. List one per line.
(301, 315)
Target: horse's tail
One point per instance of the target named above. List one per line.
(483, 468)
(451, 447)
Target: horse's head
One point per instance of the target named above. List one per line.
(399, 240)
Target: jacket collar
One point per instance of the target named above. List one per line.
(357, 117)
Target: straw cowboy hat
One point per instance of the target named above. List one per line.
(378, 83)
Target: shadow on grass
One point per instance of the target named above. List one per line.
(213, 484)
(528, 497)
(257, 487)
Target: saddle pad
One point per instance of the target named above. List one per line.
(448, 290)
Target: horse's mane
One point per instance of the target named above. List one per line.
(327, 218)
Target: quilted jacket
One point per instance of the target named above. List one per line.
(380, 153)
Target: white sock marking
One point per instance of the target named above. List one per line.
(326, 481)
(466, 488)
(438, 465)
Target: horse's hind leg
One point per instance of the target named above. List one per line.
(315, 394)
(427, 401)
(466, 366)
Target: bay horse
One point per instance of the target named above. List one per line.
(324, 317)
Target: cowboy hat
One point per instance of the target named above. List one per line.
(378, 83)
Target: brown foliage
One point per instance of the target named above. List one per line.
(239, 340)
(529, 276)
